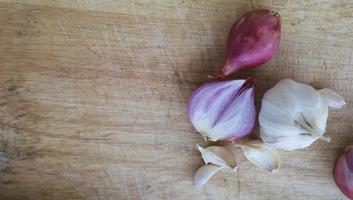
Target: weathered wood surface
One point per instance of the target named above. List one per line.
(93, 97)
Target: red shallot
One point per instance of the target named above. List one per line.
(343, 172)
(253, 40)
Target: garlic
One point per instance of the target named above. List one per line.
(219, 156)
(223, 110)
(261, 155)
(215, 158)
(204, 173)
(293, 115)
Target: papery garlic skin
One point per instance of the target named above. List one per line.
(293, 115)
(223, 110)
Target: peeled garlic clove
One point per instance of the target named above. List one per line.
(261, 155)
(293, 115)
(204, 173)
(343, 172)
(332, 99)
(223, 110)
(219, 156)
(252, 40)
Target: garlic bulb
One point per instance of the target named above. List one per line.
(223, 110)
(293, 115)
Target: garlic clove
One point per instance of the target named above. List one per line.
(224, 110)
(219, 156)
(332, 99)
(261, 155)
(204, 173)
(215, 158)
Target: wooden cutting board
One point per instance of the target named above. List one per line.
(93, 97)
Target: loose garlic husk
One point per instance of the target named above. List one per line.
(293, 115)
(216, 158)
(223, 110)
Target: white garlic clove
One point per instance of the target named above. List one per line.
(332, 99)
(204, 173)
(261, 155)
(219, 156)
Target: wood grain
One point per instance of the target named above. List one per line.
(93, 97)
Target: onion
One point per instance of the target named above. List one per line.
(343, 172)
(253, 40)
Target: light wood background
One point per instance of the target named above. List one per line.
(93, 96)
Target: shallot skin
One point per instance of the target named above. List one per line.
(343, 172)
(253, 39)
